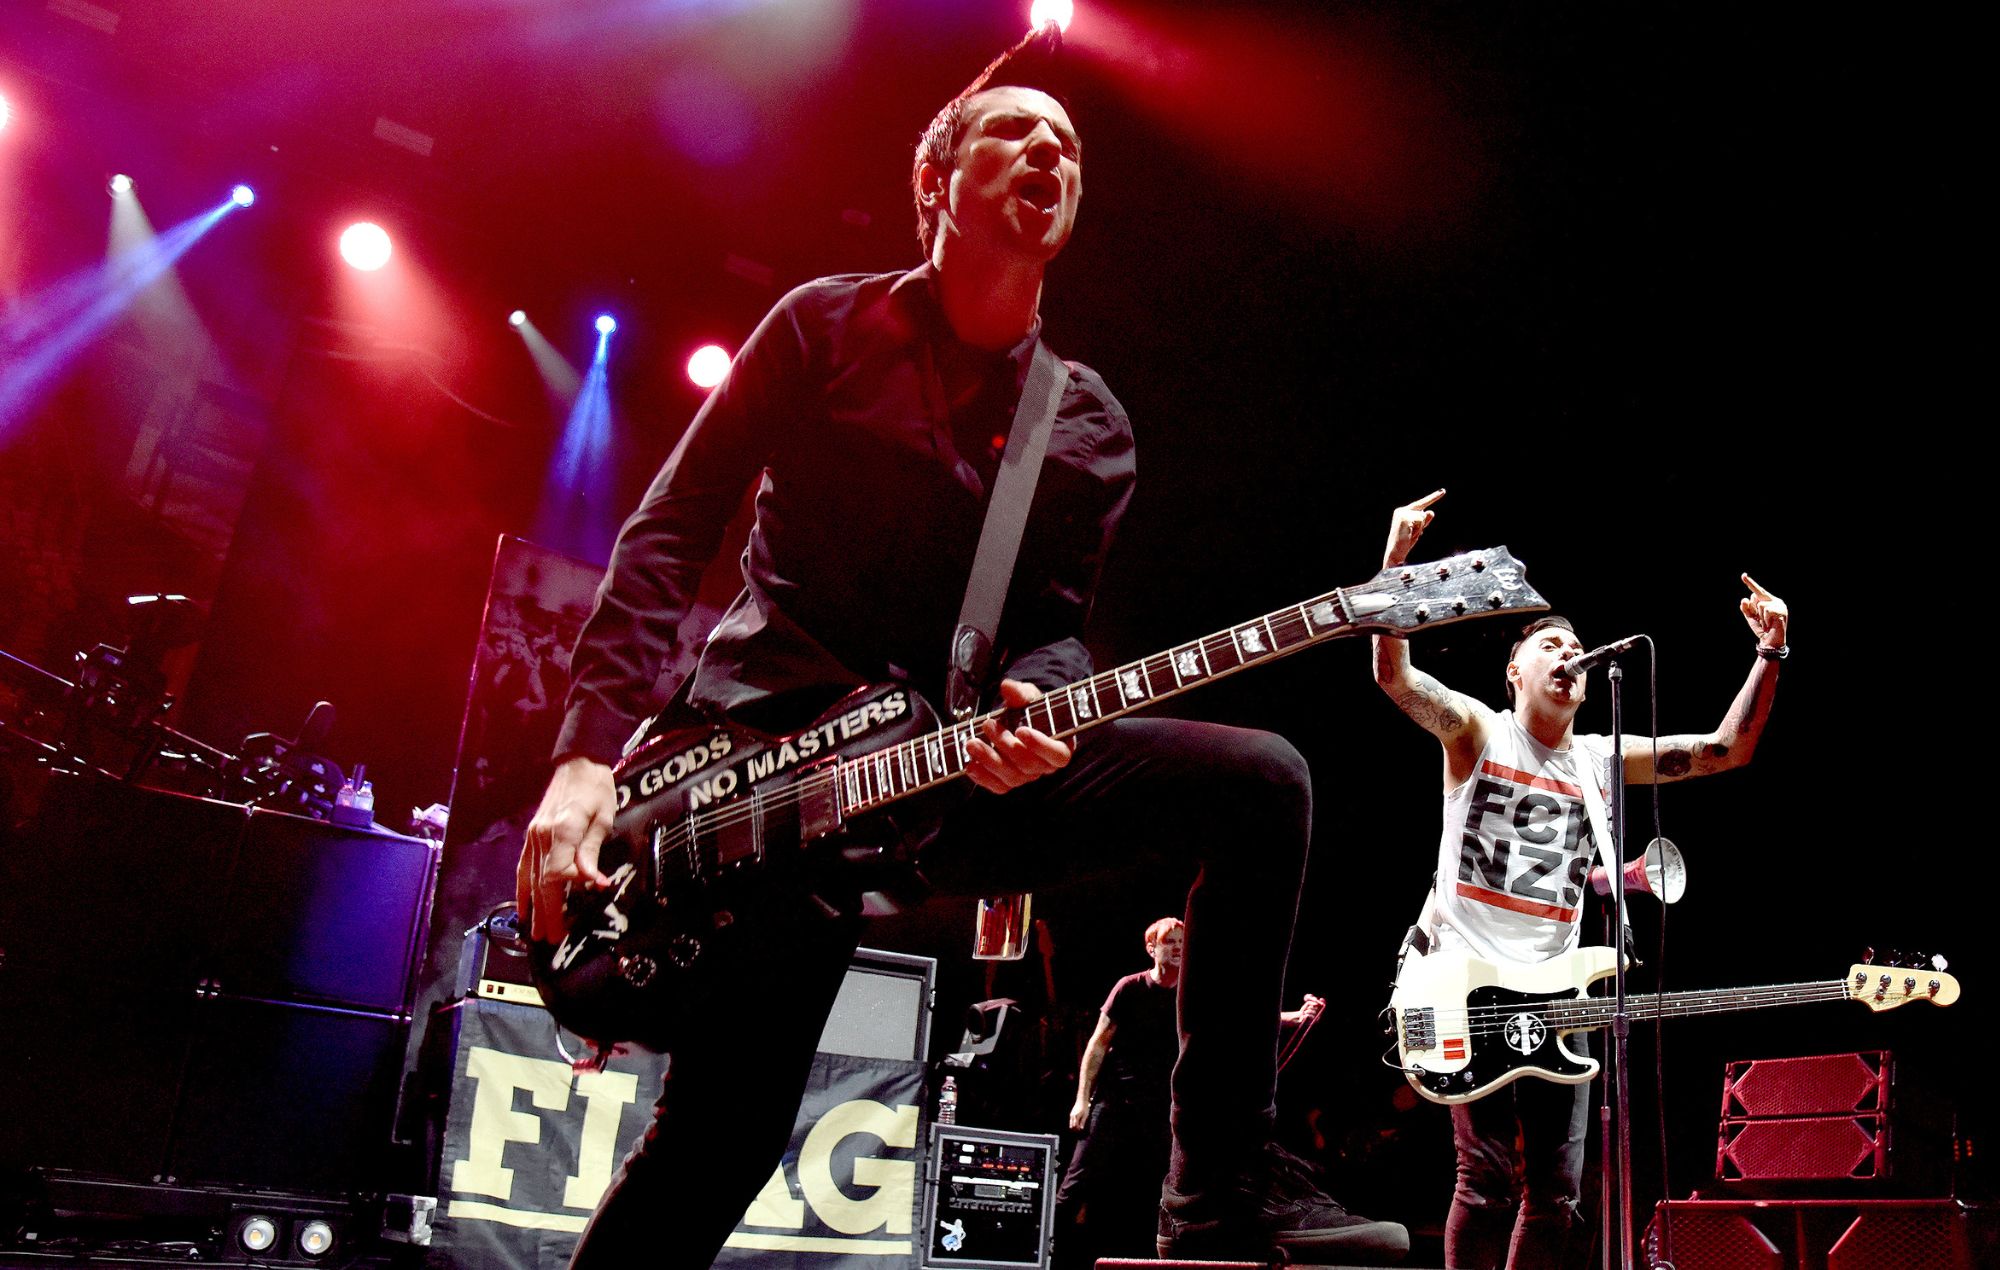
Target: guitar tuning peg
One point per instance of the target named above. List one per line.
(1939, 964)
(1895, 958)
(1868, 956)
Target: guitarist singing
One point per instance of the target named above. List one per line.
(864, 410)
(1513, 861)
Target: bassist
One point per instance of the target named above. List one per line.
(1513, 864)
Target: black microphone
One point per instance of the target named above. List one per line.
(1577, 665)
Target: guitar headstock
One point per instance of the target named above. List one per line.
(1886, 987)
(1471, 584)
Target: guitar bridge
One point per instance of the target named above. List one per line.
(1420, 1028)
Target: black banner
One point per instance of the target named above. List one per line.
(530, 1146)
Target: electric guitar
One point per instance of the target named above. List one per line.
(1465, 1027)
(708, 812)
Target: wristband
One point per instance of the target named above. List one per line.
(1779, 653)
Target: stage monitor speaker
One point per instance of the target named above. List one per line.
(1867, 1234)
(1808, 1148)
(320, 914)
(1819, 1085)
(884, 1007)
(287, 1096)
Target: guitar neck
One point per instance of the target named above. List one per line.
(880, 777)
(1595, 1012)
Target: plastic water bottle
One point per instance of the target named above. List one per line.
(364, 802)
(948, 1101)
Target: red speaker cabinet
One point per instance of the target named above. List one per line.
(1867, 1234)
(1823, 1118)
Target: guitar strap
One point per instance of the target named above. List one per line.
(1000, 538)
(1593, 807)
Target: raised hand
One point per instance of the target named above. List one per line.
(1407, 524)
(1766, 614)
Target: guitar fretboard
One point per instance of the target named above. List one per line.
(883, 776)
(1593, 1012)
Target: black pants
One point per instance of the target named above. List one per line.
(1139, 794)
(1113, 1183)
(1516, 1205)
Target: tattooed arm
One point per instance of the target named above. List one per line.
(1735, 738)
(1457, 721)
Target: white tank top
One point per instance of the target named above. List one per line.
(1517, 848)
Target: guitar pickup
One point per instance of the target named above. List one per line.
(818, 788)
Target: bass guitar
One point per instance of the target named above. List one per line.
(1465, 1027)
(708, 812)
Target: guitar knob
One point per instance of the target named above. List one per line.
(638, 970)
(684, 951)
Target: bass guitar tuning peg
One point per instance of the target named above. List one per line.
(1868, 956)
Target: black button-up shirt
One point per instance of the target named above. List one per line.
(874, 435)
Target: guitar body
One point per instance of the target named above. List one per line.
(714, 823)
(1465, 1027)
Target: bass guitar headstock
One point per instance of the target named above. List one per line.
(1884, 987)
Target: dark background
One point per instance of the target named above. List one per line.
(1660, 295)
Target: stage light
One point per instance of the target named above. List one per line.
(365, 246)
(6, 113)
(119, 185)
(258, 1234)
(242, 196)
(709, 365)
(606, 324)
(516, 318)
(315, 1239)
(1044, 12)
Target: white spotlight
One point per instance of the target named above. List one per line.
(1044, 12)
(119, 185)
(315, 1238)
(709, 365)
(606, 324)
(517, 318)
(365, 246)
(242, 196)
(258, 1234)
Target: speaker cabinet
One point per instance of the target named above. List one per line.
(1870, 1234)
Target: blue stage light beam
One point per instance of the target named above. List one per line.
(47, 331)
(575, 514)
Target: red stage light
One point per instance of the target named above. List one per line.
(365, 246)
(709, 365)
(1044, 12)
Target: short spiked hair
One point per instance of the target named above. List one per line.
(1029, 64)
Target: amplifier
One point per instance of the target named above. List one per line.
(989, 1199)
(1862, 1234)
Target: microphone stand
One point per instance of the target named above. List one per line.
(1618, 1097)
